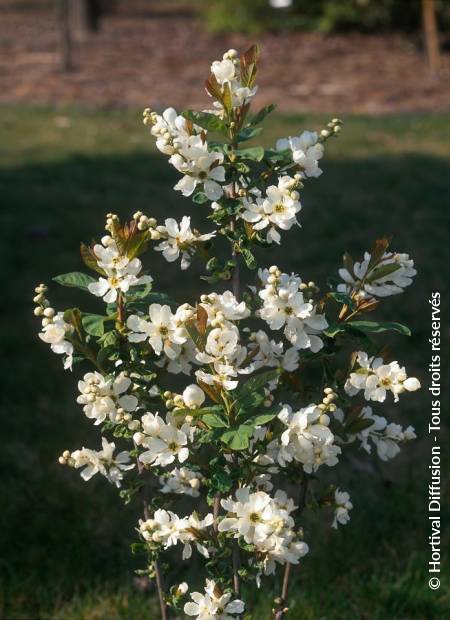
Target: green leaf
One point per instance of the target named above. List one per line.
(254, 153)
(358, 425)
(262, 419)
(274, 155)
(257, 382)
(213, 420)
(89, 259)
(239, 438)
(342, 298)
(375, 327)
(139, 292)
(382, 271)
(261, 115)
(245, 405)
(249, 258)
(208, 121)
(197, 338)
(73, 317)
(141, 304)
(75, 279)
(376, 253)
(248, 133)
(221, 481)
(94, 324)
(200, 198)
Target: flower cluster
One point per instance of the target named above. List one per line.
(180, 239)
(377, 378)
(102, 462)
(188, 152)
(121, 272)
(306, 151)
(55, 330)
(266, 523)
(232, 79)
(385, 436)
(223, 352)
(307, 438)
(370, 279)
(277, 208)
(106, 397)
(342, 507)
(166, 529)
(214, 604)
(285, 305)
(163, 441)
(181, 481)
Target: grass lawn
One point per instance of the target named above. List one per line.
(64, 545)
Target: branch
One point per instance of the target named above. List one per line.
(156, 566)
(282, 609)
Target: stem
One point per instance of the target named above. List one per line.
(160, 586)
(156, 566)
(216, 509)
(236, 567)
(281, 609)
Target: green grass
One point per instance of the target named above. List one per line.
(65, 544)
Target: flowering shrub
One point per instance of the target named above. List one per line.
(272, 378)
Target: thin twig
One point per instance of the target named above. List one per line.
(281, 609)
(216, 509)
(156, 566)
(160, 586)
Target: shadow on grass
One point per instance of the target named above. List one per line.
(59, 536)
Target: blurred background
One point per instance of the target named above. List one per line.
(74, 78)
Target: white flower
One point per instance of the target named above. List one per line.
(121, 273)
(181, 481)
(307, 439)
(389, 276)
(161, 330)
(266, 352)
(386, 437)
(54, 333)
(170, 131)
(193, 396)
(166, 529)
(228, 75)
(342, 508)
(224, 70)
(180, 239)
(183, 360)
(306, 151)
(199, 167)
(170, 445)
(214, 604)
(265, 522)
(278, 209)
(224, 307)
(102, 396)
(284, 305)
(102, 462)
(377, 378)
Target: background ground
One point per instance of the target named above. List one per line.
(65, 544)
(135, 60)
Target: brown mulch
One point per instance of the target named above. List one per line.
(146, 57)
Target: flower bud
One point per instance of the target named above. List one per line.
(193, 396)
(38, 311)
(49, 312)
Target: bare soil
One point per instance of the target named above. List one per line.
(155, 57)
